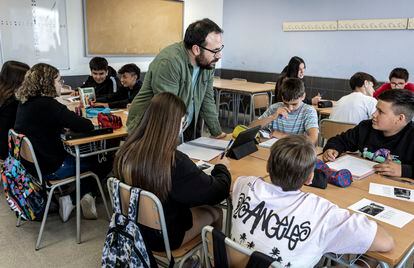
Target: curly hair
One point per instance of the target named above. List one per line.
(38, 81)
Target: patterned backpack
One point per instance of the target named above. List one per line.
(23, 195)
(124, 245)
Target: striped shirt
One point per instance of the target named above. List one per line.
(297, 122)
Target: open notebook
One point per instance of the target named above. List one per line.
(358, 167)
(203, 148)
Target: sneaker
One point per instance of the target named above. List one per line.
(89, 207)
(65, 207)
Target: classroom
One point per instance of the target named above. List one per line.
(278, 132)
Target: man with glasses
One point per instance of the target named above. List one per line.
(398, 79)
(185, 69)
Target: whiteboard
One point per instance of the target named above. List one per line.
(34, 31)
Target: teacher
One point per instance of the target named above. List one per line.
(185, 69)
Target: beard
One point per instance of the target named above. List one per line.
(204, 64)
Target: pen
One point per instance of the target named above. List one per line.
(227, 148)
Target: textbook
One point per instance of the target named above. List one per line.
(87, 95)
(210, 143)
(359, 168)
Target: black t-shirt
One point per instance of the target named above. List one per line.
(42, 120)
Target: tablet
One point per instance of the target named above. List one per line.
(246, 136)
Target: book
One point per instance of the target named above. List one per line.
(198, 152)
(87, 95)
(359, 168)
(210, 143)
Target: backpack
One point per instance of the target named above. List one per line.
(124, 245)
(23, 194)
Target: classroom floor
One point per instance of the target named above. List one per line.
(59, 247)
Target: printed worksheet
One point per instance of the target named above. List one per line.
(391, 191)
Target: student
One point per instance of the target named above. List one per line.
(42, 118)
(359, 105)
(390, 128)
(11, 77)
(280, 220)
(131, 85)
(103, 79)
(398, 79)
(149, 159)
(295, 69)
(292, 115)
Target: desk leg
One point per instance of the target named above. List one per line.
(78, 219)
(251, 115)
(235, 109)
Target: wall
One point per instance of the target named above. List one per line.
(193, 10)
(254, 39)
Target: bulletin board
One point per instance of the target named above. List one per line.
(34, 31)
(131, 27)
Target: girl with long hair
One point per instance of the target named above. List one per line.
(11, 77)
(42, 119)
(149, 159)
(295, 69)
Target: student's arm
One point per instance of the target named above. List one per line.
(383, 241)
(312, 134)
(69, 119)
(347, 141)
(272, 113)
(191, 186)
(208, 111)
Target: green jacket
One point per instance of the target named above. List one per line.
(171, 71)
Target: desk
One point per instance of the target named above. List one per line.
(324, 112)
(238, 88)
(344, 197)
(89, 146)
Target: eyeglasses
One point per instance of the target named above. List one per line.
(213, 51)
(397, 84)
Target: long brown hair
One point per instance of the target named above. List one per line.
(146, 158)
(39, 81)
(11, 77)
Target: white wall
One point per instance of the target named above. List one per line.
(254, 39)
(193, 10)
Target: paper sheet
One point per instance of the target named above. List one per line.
(205, 167)
(359, 167)
(197, 152)
(382, 212)
(391, 191)
(210, 143)
(268, 143)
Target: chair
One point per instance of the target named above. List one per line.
(272, 93)
(151, 214)
(27, 153)
(330, 128)
(237, 255)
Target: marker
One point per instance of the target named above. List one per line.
(227, 148)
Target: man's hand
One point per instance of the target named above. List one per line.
(329, 155)
(220, 136)
(389, 168)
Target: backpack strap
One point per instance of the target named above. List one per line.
(134, 204)
(15, 150)
(116, 194)
(259, 260)
(220, 254)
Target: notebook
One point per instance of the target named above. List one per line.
(198, 152)
(359, 168)
(268, 143)
(210, 143)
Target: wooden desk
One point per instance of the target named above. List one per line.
(238, 88)
(324, 112)
(344, 197)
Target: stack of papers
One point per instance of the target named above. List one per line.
(268, 143)
(358, 167)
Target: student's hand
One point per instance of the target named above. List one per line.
(329, 155)
(281, 111)
(225, 161)
(74, 93)
(389, 168)
(316, 99)
(220, 136)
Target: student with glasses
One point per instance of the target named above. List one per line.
(398, 79)
(185, 69)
